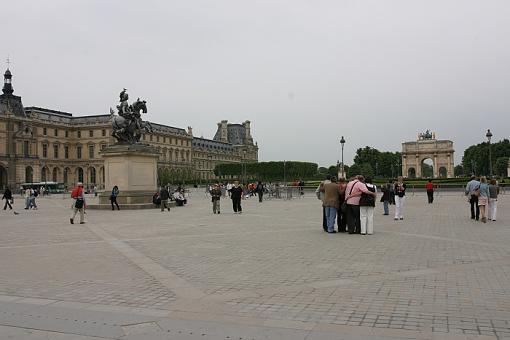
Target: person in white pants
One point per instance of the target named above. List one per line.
(366, 209)
(493, 200)
(400, 197)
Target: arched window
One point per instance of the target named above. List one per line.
(55, 174)
(411, 173)
(79, 172)
(29, 174)
(92, 175)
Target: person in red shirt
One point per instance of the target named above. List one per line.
(430, 191)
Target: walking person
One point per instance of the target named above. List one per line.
(78, 204)
(430, 191)
(472, 192)
(164, 195)
(27, 193)
(8, 198)
(260, 190)
(400, 198)
(385, 198)
(320, 195)
(493, 200)
(113, 197)
(215, 198)
(366, 208)
(331, 202)
(236, 193)
(483, 198)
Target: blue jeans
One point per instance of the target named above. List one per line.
(386, 209)
(330, 218)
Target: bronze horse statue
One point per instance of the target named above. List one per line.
(128, 126)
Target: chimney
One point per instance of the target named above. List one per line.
(247, 129)
(190, 131)
(224, 131)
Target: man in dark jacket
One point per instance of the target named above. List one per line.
(260, 190)
(236, 194)
(164, 196)
(8, 198)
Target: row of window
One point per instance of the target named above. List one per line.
(78, 133)
(56, 148)
(164, 139)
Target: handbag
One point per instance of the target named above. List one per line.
(477, 192)
(343, 207)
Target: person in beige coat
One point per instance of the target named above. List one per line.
(331, 202)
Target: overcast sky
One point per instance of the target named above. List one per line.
(304, 72)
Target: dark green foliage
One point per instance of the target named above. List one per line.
(268, 171)
(476, 157)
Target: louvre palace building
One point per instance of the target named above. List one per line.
(43, 145)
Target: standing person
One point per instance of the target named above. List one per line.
(493, 200)
(320, 195)
(430, 191)
(353, 191)
(164, 195)
(8, 198)
(78, 203)
(260, 190)
(400, 198)
(215, 198)
(483, 198)
(113, 197)
(366, 208)
(331, 202)
(472, 193)
(236, 193)
(341, 215)
(385, 198)
(392, 192)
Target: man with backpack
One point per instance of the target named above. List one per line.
(78, 203)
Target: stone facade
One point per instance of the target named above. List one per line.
(38, 145)
(428, 147)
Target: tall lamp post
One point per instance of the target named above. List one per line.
(342, 142)
(489, 136)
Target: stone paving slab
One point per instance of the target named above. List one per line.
(435, 275)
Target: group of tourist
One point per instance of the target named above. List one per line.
(352, 203)
(482, 196)
(163, 197)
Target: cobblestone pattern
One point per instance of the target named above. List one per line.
(435, 271)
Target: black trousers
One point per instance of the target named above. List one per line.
(324, 220)
(114, 200)
(260, 196)
(341, 220)
(353, 219)
(7, 203)
(236, 204)
(430, 195)
(475, 209)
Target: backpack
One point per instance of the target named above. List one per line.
(367, 200)
(79, 203)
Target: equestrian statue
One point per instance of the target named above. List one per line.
(127, 126)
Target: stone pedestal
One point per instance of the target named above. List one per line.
(132, 168)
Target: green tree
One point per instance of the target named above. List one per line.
(476, 157)
(501, 166)
(383, 164)
(458, 171)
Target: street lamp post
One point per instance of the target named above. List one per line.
(489, 136)
(342, 142)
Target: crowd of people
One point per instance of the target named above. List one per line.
(482, 196)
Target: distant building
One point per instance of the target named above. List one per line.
(38, 145)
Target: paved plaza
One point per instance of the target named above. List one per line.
(270, 273)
